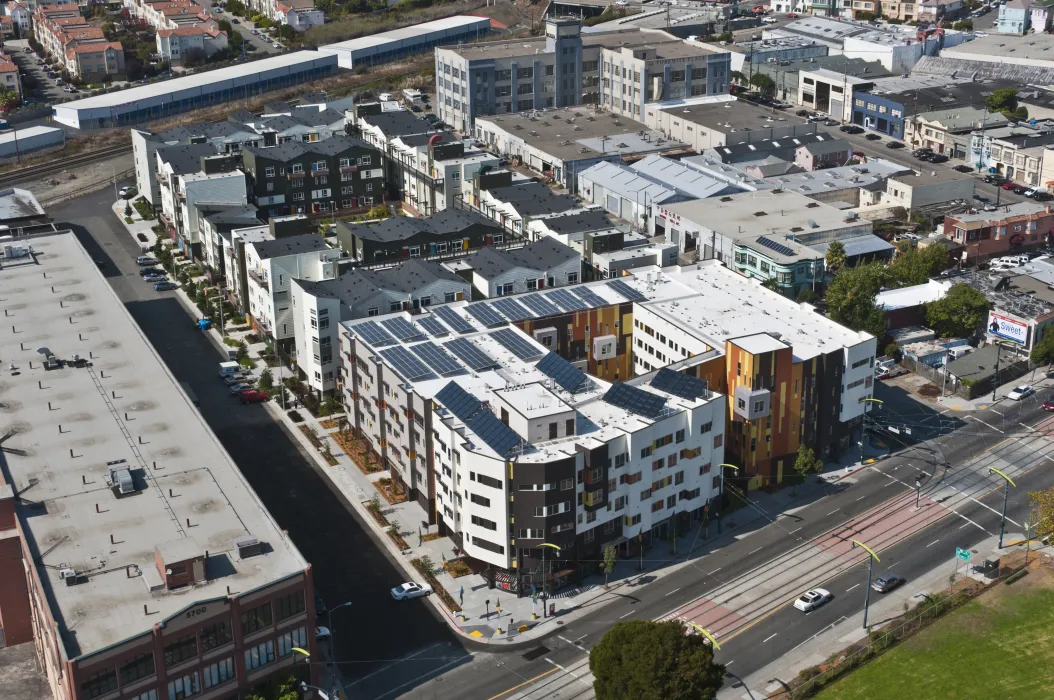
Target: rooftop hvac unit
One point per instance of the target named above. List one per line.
(120, 479)
(248, 546)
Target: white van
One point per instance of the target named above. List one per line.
(229, 368)
(958, 351)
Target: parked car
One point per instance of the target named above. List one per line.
(810, 600)
(146, 261)
(1019, 189)
(239, 389)
(234, 20)
(919, 152)
(851, 129)
(1043, 196)
(70, 89)
(28, 49)
(769, 20)
(894, 144)
(321, 634)
(1048, 405)
(238, 377)
(802, 113)
(165, 286)
(276, 45)
(792, 15)
(1029, 192)
(1021, 392)
(155, 277)
(887, 582)
(127, 193)
(993, 179)
(411, 590)
(1008, 185)
(147, 271)
(873, 137)
(253, 396)
(963, 169)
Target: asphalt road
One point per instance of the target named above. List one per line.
(348, 564)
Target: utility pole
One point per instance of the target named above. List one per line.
(721, 496)
(1007, 483)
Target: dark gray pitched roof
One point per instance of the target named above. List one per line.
(544, 254)
(290, 245)
(592, 220)
(309, 116)
(355, 285)
(533, 199)
(278, 123)
(394, 124)
(292, 149)
(236, 217)
(398, 228)
(185, 158)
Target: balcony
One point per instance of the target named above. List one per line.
(295, 173)
(258, 277)
(320, 171)
(349, 168)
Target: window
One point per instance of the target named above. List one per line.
(531, 534)
(484, 523)
(218, 673)
(148, 695)
(259, 655)
(706, 427)
(216, 636)
(139, 667)
(291, 639)
(489, 546)
(269, 172)
(485, 480)
(479, 500)
(99, 683)
(679, 438)
(184, 687)
(289, 605)
(256, 619)
(180, 650)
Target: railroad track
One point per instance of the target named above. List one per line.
(35, 172)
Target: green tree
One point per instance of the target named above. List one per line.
(266, 382)
(772, 284)
(610, 559)
(805, 463)
(647, 660)
(1043, 512)
(893, 351)
(851, 298)
(1004, 101)
(806, 295)
(835, 257)
(961, 312)
(963, 25)
(738, 77)
(765, 85)
(1043, 351)
(916, 265)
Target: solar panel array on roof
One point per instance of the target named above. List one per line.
(485, 315)
(433, 326)
(567, 301)
(773, 245)
(470, 411)
(562, 371)
(627, 291)
(512, 309)
(539, 304)
(589, 296)
(437, 358)
(406, 364)
(402, 329)
(517, 344)
(634, 400)
(451, 318)
(680, 384)
(472, 356)
(373, 334)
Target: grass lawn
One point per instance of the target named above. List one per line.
(997, 647)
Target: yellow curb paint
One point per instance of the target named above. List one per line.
(475, 633)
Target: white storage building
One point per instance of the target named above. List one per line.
(399, 43)
(34, 138)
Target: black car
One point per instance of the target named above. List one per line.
(151, 271)
(1019, 189)
(919, 152)
(830, 122)
(963, 168)
(936, 158)
(851, 129)
(994, 179)
(1043, 196)
(894, 144)
(873, 137)
(887, 582)
(802, 113)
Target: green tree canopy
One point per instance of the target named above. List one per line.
(807, 295)
(851, 298)
(1004, 101)
(962, 311)
(764, 84)
(835, 258)
(1043, 512)
(773, 284)
(916, 265)
(646, 660)
(1043, 350)
(806, 462)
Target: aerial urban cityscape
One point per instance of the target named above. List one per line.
(520, 350)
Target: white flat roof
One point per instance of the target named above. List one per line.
(405, 33)
(917, 294)
(124, 408)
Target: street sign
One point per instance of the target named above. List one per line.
(962, 554)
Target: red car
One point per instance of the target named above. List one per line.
(1009, 185)
(1048, 405)
(792, 15)
(253, 396)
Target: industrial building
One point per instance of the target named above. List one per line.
(144, 565)
(171, 97)
(400, 43)
(14, 144)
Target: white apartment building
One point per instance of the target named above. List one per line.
(433, 168)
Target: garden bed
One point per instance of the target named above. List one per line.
(374, 508)
(358, 453)
(296, 417)
(457, 568)
(393, 533)
(330, 423)
(425, 567)
(320, 445)
(392, 491)
(430, 536)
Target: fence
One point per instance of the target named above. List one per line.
(1007, 372)
(813, 679)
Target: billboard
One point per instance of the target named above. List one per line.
(1008, 328)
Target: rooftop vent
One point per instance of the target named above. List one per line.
(760, 213)
(248, 546)
(120, 480)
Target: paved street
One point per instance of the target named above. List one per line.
(348, 564)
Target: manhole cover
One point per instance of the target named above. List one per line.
(536, 653)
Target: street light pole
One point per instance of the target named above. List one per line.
(545, 581)
(1007, 483)
(872, 558)
(918, 488)
(721, 496)
(863, 426)
(332, 634)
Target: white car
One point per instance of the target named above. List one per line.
(770, 20)
(276, 45)
(411, 590)
(810, 600)
(321, 634)
(127, 192)
(1021, 392)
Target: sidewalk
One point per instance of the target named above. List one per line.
(140, 230)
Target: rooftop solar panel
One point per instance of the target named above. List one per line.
(634, 400)
(452, 319)
(437, 358)
(470, 411)
(472, 356)
(627, 291)
(458, 401)
(539, 304)
(406, 364)
(776, 246)
(373, 334)
(561, 371)
(402, 329)
(567, 301)
(433, 326)
(485, 315)
(680, 384)
(512, 309)
(589, 296)
(517, 344)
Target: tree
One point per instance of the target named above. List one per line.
(1043, 350)
(1043, 512)
(647, 660)
(851, 298)
(835, 258)
(806, 295)
(806, 463)
(773, 284)
(963, 25)
(765, 85)
(266, 382)
(962, 311)
(894, 352)
(610, 559)
(916, 265)
(1004, 101)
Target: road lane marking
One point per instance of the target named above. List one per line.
(1027, 427)
(862, 497)
(755, 551)
(851, 587)
(430, 674)
(729, 663)
(526, 682)
(793, 531)
(385, 668)
(571, 673)
(988, 424)
(932, 543)
(673, 591)
(833, 511)
(769, 637)
(719, 568)
(628, 614)
(985, 504)
(564, 639)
